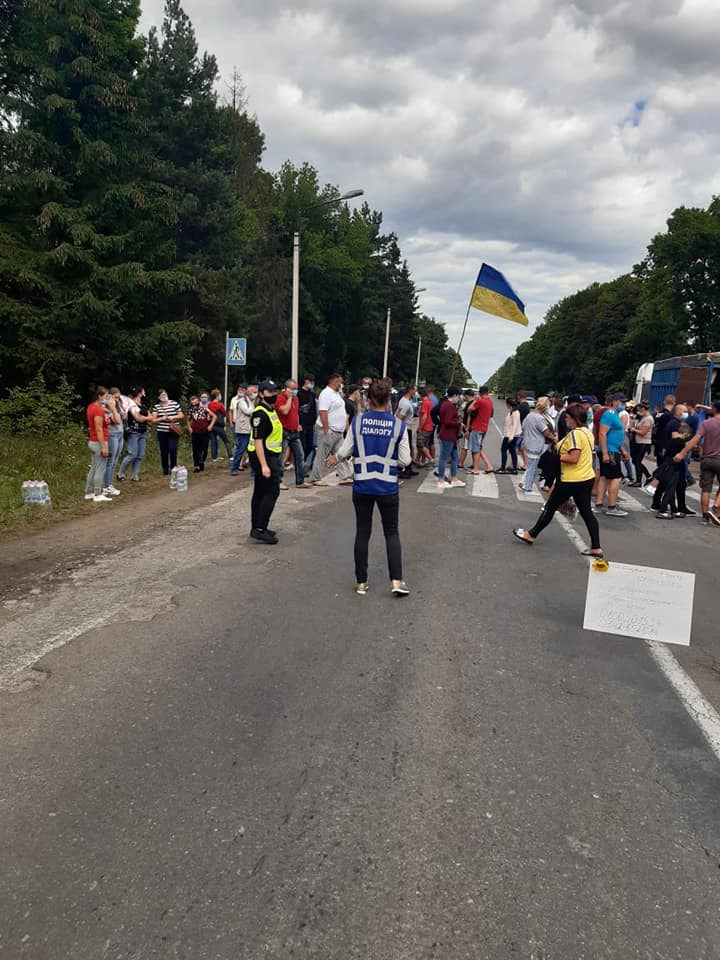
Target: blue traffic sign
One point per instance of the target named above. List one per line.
(236, 352)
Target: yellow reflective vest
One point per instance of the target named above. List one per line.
(273, 443)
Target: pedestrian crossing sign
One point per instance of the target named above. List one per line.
(236, 351)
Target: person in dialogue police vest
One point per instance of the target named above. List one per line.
(378, 442)
(265, 452)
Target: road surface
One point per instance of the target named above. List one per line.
(214, 750)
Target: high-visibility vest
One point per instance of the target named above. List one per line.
(377, 435)
(273, 443)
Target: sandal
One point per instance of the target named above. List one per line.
(520, 534)
(595, 556)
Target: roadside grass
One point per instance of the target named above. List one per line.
(62, 460)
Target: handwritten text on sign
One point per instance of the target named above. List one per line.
(640, 602)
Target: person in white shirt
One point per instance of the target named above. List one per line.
(406, 413)
(241, 408)
(330, 428)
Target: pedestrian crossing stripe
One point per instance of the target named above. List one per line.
(487, 487)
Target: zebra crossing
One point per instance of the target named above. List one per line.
(491, 487)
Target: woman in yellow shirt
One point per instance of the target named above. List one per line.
(576, 480)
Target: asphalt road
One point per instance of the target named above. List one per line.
(224, 753)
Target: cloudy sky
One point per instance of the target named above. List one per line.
(550, 139)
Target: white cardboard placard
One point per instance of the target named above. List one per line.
(643, 602)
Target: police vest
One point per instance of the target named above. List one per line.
(273, 443)
(377, 436)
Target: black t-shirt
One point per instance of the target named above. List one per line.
(261, 423)
(662, 429)
(308, 407)
(524, 409)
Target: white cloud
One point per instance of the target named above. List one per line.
(551, 139)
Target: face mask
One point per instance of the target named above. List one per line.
(366, 385)
(590, 417)
(293, 393)
(310, 386)
(204, 400)
(163, 398)
(684, 416)
(251, 396)
(621, 407)
(270, 401)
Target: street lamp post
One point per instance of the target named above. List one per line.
(295, 322)
(387, 338)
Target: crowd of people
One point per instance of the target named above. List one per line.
(575, 450)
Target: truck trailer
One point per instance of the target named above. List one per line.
(691, 379)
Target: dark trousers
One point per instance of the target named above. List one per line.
(389, 507)
(265, 491)
(200, 443)
(168, 450)
(293, 439)
(218, 433)
(638, 454)
(308, 441)
(581, 494)
(674, 489)
(508, 446)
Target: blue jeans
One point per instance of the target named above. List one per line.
(135, 453)
(529, 478)
(218, 433)
(293, 439)
(448, 451)
(115, 445)
(241, 444)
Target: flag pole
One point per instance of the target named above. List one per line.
(462, 337)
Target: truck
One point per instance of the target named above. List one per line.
(692, 379)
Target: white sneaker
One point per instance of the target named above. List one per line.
(101, 498)
(442, 484)
(457, 483)
(111, 491)
(89, 496)
(649, 489)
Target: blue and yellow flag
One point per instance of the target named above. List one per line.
(493, 294)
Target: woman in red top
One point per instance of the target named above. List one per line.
(218, 430)
(450, 426)
(98, 420)
(200, 421)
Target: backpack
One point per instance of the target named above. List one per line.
(435, 413)
(596, 423)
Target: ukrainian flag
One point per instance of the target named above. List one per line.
(493, 294)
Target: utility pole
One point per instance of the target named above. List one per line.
(387, 342)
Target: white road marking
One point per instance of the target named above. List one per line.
(485, 485)
(526, 496)
(702, 712)
(430, 484)
(699, 709)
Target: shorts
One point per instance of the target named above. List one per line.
(476, 440)
(612, 470)
(425, 438)
(709, 471)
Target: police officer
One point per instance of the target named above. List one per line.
(378, 442)
(265, 451)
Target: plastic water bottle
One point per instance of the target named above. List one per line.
(45, 498)
(173, 478)
(34, 491)
(25, 490)
(182, 479)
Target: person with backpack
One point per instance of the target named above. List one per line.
(576, 481)
(217, 433)
(138, 417)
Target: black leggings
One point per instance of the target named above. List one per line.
(639, 452)
(508, 445)
(581, 494)
(389, 507)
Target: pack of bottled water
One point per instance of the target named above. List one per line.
(36, 491)
(173, 478)
(181, 480)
